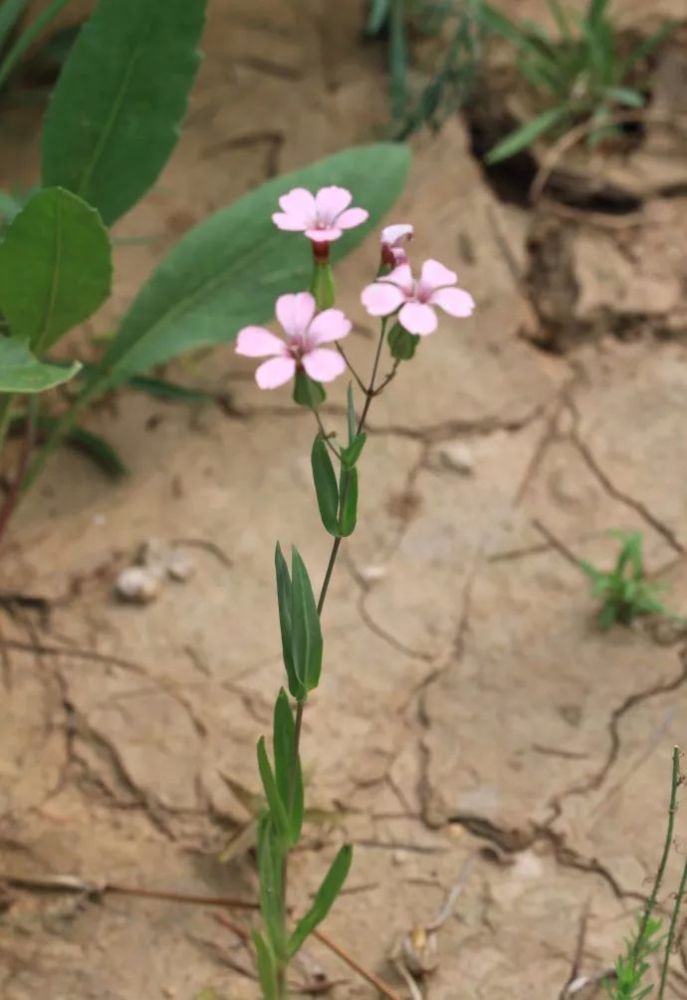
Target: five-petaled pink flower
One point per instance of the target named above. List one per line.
(393, 240)
(416, 298)
(305, 333)
(322, 217)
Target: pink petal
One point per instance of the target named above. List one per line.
(323, 365)
(275, 372)
(418, 318)
(257, 342)
(382, 298)
(329, 325)
(295, 312)
(323, 235)
(330, 202)
(394, 235)
(454, 301)
(403, 277)
(289, 223)
(435, 275)
(299, 204)
(352, 217)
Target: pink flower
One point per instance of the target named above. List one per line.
(393, 239)
(305, 332)
(322, 217)
(415, 299)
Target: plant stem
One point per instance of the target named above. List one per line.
(6, 403)
(672, 809)
(14, 491)
(683, 881)
(300, 705)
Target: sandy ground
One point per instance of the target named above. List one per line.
(469, 707)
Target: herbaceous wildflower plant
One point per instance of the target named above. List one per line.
(310, 354)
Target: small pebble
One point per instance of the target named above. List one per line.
(372, 574)
(399, 857)
(180, 567)
(458, 457)
(138, 585)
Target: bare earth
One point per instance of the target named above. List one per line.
(468, 704)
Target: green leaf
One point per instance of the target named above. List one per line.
(524, 136)
(626, 96)
(274, 801)
(351, 454)
(378, 14)
(322, 904)
(160, 388)
(10, 13)
(351, 420)
(307, 392)
(402, 344)
(95, 447)
(21, 372)
(645, 48)
(27, 37)
(55, 267)
(322, 287)
(398, 58)
(607, 617)
(267, 970)
(285, 602)
(270, 873)
(227, 272)
(286, 761)
(114, 117)
(305, 622)
(326, 486)
(348, 514)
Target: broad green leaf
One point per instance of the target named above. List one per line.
(55, 267)
(114, 117)
(266, 967)
(348, 512)
(305, 623)
(274, 801)
(326, 486)
(228, 271)
(287, 765)
(21, 372)
(322, 904)
(524, 136)
(285, 601)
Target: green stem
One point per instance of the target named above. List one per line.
(27, 38)
(672, 809)
(300, 706)
(59, 432)
(683, 881)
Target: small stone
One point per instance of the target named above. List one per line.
(399, 857)
(372, 574)
(457, 456)
(99, 520)
(138, 585)
(180, 566)
(155, 554)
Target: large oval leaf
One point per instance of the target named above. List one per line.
(55, 267)
(21, 372)
(228, 271)
(113, 119)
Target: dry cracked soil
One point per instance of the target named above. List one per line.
(469, 707)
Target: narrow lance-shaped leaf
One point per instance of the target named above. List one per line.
(287, 765)
(21, 372)
(326, 894)
(285, 602)
(274, 801)
(353, 451)
(523, 137)
(270, 872)
(305, 622)
(227, 272)
(326, 486)
(348, 514)
(266, 967)
(55, 267)
(114, 116)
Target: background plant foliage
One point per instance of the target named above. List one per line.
(111, 126)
